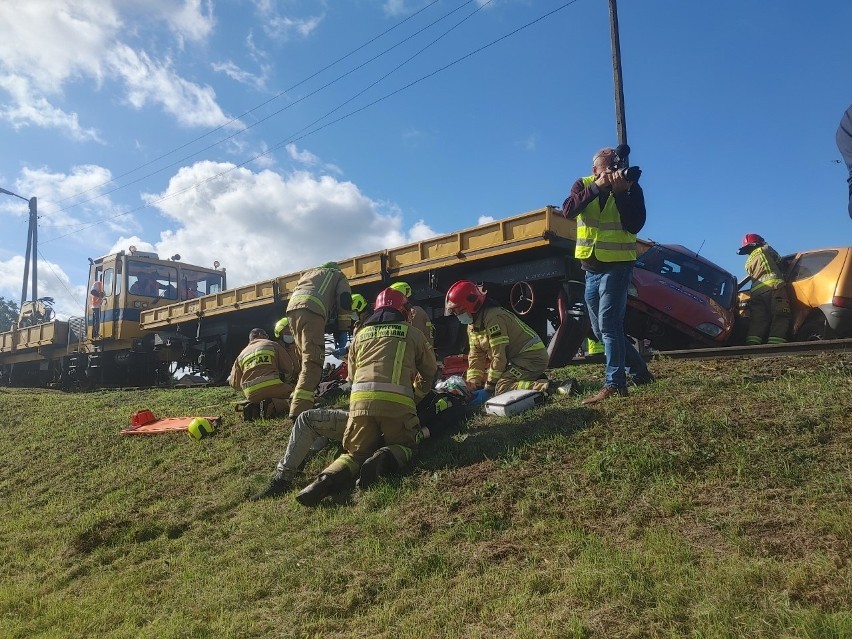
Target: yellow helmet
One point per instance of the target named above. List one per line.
(402, 287)
(280, 325)
(199, 428)
(359, 303)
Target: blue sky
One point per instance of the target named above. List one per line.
(208, 128)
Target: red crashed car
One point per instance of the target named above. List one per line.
(679, 300)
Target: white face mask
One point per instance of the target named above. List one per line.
(288, 339)
(465, 318)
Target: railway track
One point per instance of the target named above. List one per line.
(764, 350)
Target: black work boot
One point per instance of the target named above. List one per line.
(251, 411)
(267, 409)
(381, 464)
(279, 484)
(323, 486)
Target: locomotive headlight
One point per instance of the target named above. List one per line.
(137, 304)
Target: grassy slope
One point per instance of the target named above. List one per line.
(714, 504)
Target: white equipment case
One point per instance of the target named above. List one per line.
(513, 402)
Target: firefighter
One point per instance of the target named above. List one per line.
(768, 303)
(321, 294)
(516, 353)
(360, 310)
(417, 315)
(382, 431)
(260, 371)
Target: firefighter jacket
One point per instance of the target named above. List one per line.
(497, 336)
(326, 292)
(764, 267)
(419, 319)
(600, 234)
(384, 359)
(264, 363)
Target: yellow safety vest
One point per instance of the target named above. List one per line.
(600, 234)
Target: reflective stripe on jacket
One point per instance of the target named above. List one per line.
(383, 361)
(497, 336)
(262, 363)
(319, 291)
(764, 267)
(600, 234)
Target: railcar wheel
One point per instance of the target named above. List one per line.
(522, 297)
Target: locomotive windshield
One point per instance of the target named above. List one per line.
(198, 283)
(152, 280)
(687, 271)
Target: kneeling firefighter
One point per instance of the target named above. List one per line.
(382, 430)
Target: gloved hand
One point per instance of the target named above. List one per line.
(340, 353)
(478, 398)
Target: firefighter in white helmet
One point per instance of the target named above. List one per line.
(321, 295)
(382, 432)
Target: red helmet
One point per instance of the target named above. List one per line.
(391, 298)
(465, 295)
(750, 241)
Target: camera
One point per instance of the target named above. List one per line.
(619, 164)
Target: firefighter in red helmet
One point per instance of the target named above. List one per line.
(382, 430)
(513, 353)
(768, 302)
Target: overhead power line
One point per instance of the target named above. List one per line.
(252, 110)
(296, 137)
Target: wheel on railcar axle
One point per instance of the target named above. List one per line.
(522, 297)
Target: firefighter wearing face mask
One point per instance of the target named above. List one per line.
(321, 294)
(505, 354)
(383, 429)
(418, 317)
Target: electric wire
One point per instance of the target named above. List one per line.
(250, 111)
(296, 137)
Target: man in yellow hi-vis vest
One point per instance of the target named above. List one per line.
(610, 211)
(769, 306)
(321, 294)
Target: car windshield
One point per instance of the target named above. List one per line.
(689, 272)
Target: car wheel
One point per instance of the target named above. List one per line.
(815, 328)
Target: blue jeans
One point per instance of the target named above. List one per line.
(606, 303)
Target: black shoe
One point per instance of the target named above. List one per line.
(267, 409)
(251, 411)
(381, 464)
(317, 490)
(643, 380)
(277, 486)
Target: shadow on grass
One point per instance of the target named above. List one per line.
(493, 438)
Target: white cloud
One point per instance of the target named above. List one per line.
(237, 74)
(69, 299)
(484, 219)
(280, 27)
(304, 157)
(264, 224)
(148, 81)
(59, 42)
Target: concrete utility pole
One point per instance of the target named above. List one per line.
(620, 122)
(32, 246)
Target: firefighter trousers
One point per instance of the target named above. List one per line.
(312, 430)
(366, 433)
(770, 316)
(278, 394)
(526, 372)
(309, 332)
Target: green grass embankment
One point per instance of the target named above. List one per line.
(715, 503)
